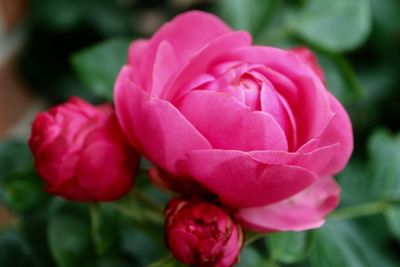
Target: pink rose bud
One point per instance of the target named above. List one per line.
(201, 234)
(81, 152)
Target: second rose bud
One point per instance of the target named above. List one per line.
(202, 234)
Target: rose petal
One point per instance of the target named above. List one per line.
(200, 62)
(165, 66)
(153, 125)
(228, 124)
(309, 58)
(308, 97)
(241, 181)
(316, 161)
(304, 211)
(184, 39)
(136, 53)
(339, 130)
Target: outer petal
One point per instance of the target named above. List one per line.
(241, 181)
(227, 124)
(316, 161)
(97, 163)
(187, 39)
(301, 212)
(309, 58)
(136, 54)
(154, 126)
(184, 39)
(232, 248)
(339, 130)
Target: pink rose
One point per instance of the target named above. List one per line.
(201, 234)
(254, 126)
(81, 152)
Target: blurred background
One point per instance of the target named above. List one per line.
(52, 49)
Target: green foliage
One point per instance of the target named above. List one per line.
(14, 251)
(344, 244)
(289, 247)
(69, 235)
(14, 157)
(337, 25)
(99, 66)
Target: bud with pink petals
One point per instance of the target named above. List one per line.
(81, 152)
(202, 234)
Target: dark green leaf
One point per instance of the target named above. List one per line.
(23, 192)
(335, 25)
(61, 14)
(99, 66)
(69, 237)
(393, 219)
(14, 251)
(384, 150)
(141, 244)
(250, 15)
(14, 157)
(249, 257)
(104, 220)
(289, 247)
(341, 243)
(340, 77)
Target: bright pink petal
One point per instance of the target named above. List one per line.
(228, 124)
(316, 161)
(154, 126)
(136, 54)
(301, 212)
(241, 181)
(165, 66)
(339, 130)
(200, 62)
(309, 58)
(300, 86)
(187, 34)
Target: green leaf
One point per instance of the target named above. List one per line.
(14, 157)
(168, 261)
(289, 247)
(14, 251)
(69, 236)
(23, 192)
(249, 257)
(250, 15)
(340, 76)
(393, 219)
(354, 183)
(338, 25)
(384, 150)
(140, 244)
(99, 66)
(378, 179)
(104, 219)
(61, 14)
(342, 243)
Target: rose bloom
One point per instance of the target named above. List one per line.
(81, 152)
(254, 126)
(202, 234)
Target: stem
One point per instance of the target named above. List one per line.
(252, 237)
(151, 203)
(361, 210)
